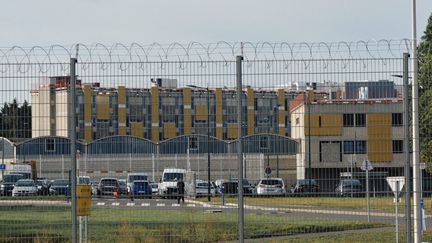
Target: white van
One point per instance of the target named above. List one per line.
(168, 184)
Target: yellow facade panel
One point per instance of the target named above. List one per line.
(201, 113)
(88, 133)
(250, 111)
(169, 130)
(323, 124)
(102, 107)
(379, 131)
(232, 131)
(88, 93)
(187, 120)
(155, 134)
(137, 129)
(219, 132)
(122, 131)
(121, 107)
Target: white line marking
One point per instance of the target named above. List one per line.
(115, 204)
(100, 203)
(160, 205)
(145, 204)
(191, 205)
(175, 205)
(130, 204)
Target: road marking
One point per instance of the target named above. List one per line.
(190, 205)
(115, 204)
(175, 205)
(145, 204)
(100, 203)
(160, 205)
(130, 204)
(206, 205)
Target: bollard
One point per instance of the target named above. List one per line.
(223, 196)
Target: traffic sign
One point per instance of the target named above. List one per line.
(83, 193)
(392, 181)
(366, 166)
(2, 166)
(268, 170)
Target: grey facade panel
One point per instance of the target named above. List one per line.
(195, 143)
(266, 144)
(121, 145)
(51, 145)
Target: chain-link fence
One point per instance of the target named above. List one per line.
(323, 136)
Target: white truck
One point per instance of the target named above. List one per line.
(168, 183)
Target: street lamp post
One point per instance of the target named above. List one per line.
(208, 139)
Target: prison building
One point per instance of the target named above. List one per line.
(157, 113)
(336, 136)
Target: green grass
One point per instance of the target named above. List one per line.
(378, 203)
(45, 224)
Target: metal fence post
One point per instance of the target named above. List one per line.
(239, 60)
(406, 150)
(72, 136)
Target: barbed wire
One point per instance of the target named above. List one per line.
(222, 51)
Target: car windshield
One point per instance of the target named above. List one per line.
(132, 178)
(24, 183)
(60, 183)
(12, 178)
(172, 177)
(140, 183)
(203, 185)
(84, 180)
(154, 185)
(271, 182)
(350, 182)
(109, 182)
(122, 183)
(306, 182)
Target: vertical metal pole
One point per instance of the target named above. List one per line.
(62, 166)
(309, 145)
(277, 165)
(406, 149)
(208, 145)
(80, 229)
(415, 130)
(3, 151)
(397, 211)
(239, 60)
(85, 229)
(153, 167)
(367, 192)
(72, 135)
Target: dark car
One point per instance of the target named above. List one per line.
(247, 188)
(123, 187)
(8, 183)
(141, 189)
(305, 186)
(107, 186)
(229, 187)
(349, 187)
(42, 186)
(59, 187)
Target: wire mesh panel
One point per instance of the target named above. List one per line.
(322, 128)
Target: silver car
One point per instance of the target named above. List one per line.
(271, 186)
(24, 187)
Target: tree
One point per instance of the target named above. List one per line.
(425, 95)
(15, 120)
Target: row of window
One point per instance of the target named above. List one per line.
(359, 120)
(351, 147)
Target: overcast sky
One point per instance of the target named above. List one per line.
(45, 22)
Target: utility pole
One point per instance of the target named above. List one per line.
(239, 60)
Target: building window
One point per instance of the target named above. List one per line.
(319, 121)
(348, 147)
(397, 146)
(193, 143)
(297, 121)
(361, 147)
(397, 119)
(50, 145)
(348, 120)
(360, 120)
(264, 143)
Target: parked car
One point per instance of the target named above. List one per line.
(141, 188)
(348, 187)
(247, 188)
(24, 187)
(229, 187)
(271, 186)
(8, 182)
(84, 180)
(168, 185)
(154, 187)
(123, 187)
(60, 187)
(42, 186)
(107, 186)
(305, 186)
(131, 177)
(201, 188)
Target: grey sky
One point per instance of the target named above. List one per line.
(45, 22)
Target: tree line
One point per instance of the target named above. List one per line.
(15, 120)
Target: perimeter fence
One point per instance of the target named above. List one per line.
(320, 130)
